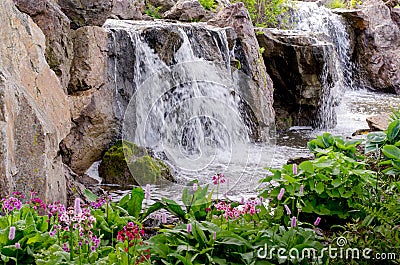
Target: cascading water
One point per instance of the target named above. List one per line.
(309, 17)
(184, 107)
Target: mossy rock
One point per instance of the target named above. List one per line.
(128, 164)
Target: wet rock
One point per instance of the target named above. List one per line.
(89, 65)
(128, 164)
(186, 10)
(128, 9)
(377, 46)
(34, 110)
(246, 51)
(86, 12)
(56, 27)
(164, 5)
(379, 122)
(310, 73)
(299, 160)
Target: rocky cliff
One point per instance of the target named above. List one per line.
(35, 114)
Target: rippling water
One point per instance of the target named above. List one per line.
(355, 107)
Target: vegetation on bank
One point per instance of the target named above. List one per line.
(346, 198)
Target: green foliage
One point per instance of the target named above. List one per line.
(333, 4)
(327, 142)
(267, 13)
(153, 11)
(208, 4)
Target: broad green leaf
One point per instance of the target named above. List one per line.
(391, 151)
(90, 196)
(320, 188)
(336, 182)
(393, 131)
(307, 166)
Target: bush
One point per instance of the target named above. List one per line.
(267, 13)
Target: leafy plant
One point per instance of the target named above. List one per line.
(332, 184)
(208, 4)
(333, 4)
(153, 11)
(267, 13)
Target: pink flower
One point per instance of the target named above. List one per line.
(195, 186)
(214, 235)
(280, 195)
(301, 190)
(11, 234)
(77, 206)
(295, 169)
(163, 218)
(317, 221)
(294, 221)
(189, 228)
(147, 192)
(17, 245)
(219, 178)
(287, 209)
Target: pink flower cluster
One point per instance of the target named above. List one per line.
(11, 203)
(76, 218)
(219, 178)
(130, 232)
(233, 213)
(36, 202)
(99, 202)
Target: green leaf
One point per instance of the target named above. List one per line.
(393, 131)
(320, 188)
(174, 208)
(90, 196)
(336, 182)
(391, 151)
(307, 166)
(132, 202)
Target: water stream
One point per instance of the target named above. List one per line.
(198, 127)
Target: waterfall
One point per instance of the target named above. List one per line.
(183, 99)
(311, 18)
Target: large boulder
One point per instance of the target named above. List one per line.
(377, 46)
(246, 52)
(86, 12)
(164, 5)
(128, 9)
(378, 122)
(304, 70)
(35, 110)
(128, 164)
(186, 10)
(56, 27)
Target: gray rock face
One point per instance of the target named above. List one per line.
(164, 4)
(86, 12)
(93, 95)
(35, 110)
(88, 69)
(377, 46)
(56, 27)
(186, 10)
(247, 51)
(128, 9)
(303, 69)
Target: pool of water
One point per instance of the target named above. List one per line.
(246, 167)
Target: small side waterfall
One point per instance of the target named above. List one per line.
(313, 18)
(310, 17)
(180, 95)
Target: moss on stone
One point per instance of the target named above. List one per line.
(125, 163)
